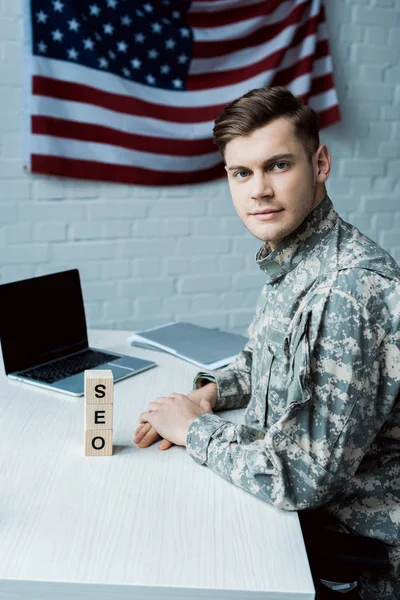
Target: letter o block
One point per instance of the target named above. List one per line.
(98, 443)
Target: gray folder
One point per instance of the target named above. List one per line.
(195, 343)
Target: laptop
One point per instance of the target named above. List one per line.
(44, 337)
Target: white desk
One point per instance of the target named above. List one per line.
(140, 524)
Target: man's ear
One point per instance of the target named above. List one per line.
(323, 164)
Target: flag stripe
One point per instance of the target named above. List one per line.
(77, 130)
(285, 37)
(243, 30)
(217, 5)
(87, 113)
(305, 65)
(120, 103)
(253, 34)
(233, 76)
(230, 16)
(107, 153)
(329, 116)
(88, 169)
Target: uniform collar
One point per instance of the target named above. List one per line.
(299, 243)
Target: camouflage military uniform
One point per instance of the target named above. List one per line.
(320, 377)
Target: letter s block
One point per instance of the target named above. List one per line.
(99, 386)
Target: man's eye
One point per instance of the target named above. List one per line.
(280, 163)
(238, 172)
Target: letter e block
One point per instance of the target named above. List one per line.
(99, 387)
(98, 443)
(98, 416)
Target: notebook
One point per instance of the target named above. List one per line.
(44, 337)
(203, 346)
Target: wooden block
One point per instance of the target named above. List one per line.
(99, 387)
(98, 416)
(98, 442)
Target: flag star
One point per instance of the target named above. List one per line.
(135, 62)
(103, 63)
(126, 72)
(108, 28)
(152, 53)
(139, 37)
(165, 2)
(122, 46)
(150, 79)
(73, 25)
(42, 47)
(177, 83)
(176, 14)
(94, 10)
(97, 36)
(148, 8)
(170, 44)
(57, 35)
(72, 54)
(185, 32)
(111, 54)
(58, 6)
(41, 17)
(112, 3)
(139, 13)
(88, 44)
(156, 27)
(182, 59)
(164, 20)
(165, 69)
(126, 20)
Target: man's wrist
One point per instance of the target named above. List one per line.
(209, 392)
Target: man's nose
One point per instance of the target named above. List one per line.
(261, 186)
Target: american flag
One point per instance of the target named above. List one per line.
(128, 91)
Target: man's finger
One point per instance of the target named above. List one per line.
(162, 399)
(145, 417)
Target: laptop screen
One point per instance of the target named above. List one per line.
(41, 319)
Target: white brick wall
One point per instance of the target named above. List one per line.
(150, 255)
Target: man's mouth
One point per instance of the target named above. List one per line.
(266, 215)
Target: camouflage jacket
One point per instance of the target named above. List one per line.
(320, 380)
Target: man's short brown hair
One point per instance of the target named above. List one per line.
(261, 106)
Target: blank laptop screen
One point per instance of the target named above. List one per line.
(41, 319)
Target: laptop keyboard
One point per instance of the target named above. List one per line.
(70, 365)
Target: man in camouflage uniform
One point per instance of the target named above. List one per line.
(320, 374)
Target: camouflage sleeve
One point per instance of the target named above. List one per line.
(234, 380)
(341, 389)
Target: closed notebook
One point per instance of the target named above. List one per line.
(203, 346)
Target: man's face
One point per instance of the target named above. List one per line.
(258, 181)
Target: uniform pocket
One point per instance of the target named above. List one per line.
(261, 382)
(299, 376)
(272, 372)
